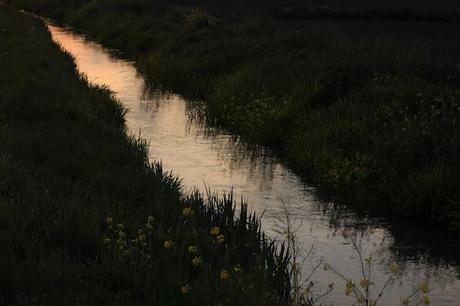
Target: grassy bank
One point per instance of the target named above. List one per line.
(86, 220)
(372, 119)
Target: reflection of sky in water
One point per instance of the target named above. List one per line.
(199, 155)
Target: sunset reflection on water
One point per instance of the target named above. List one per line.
(202, 155)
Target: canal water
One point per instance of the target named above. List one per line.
(209, 158)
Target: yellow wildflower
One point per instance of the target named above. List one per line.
(168, 244)
(220, 239)
(187, 212)
(237, 268)
(424, 287)
(149, 226)
(349, 287)
(215, 231)
(394, 268)
(185, 289)
(197, 261)
(368, 260)
(224, 274)
(193, 249)
(365, 283)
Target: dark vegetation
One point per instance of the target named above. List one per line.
(66, 165)
(371, 118)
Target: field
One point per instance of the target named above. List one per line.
(85, 219)
(369, 116)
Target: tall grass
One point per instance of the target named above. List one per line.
(85, 219)
(369, 120)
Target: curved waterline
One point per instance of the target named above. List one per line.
(202, 155)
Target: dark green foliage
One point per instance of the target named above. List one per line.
(371, 119)
(66, 164)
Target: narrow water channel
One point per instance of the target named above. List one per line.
(203, 156)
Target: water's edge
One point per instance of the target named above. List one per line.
(201, 154)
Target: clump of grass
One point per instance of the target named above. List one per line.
(212, 246)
